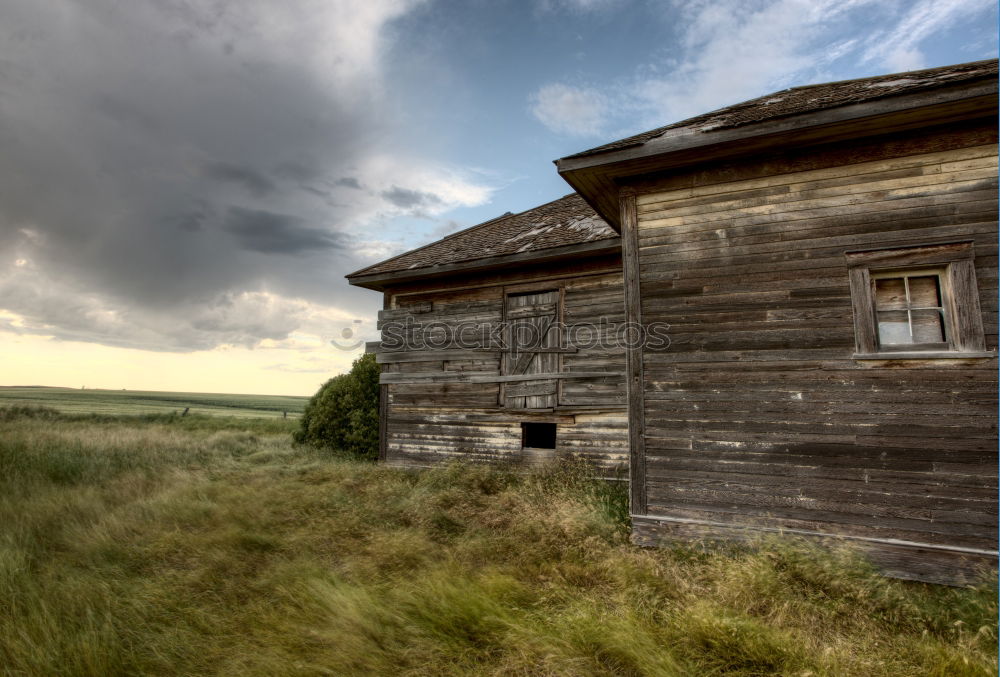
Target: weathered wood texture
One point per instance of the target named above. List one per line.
(634, 381)
(428, 436)
(467, 401)
(914, 561)
(532, 324)
(757, 413)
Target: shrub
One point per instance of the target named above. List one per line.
(343, 414)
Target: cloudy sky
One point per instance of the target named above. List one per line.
(184, 183)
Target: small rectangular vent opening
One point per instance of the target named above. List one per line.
(538, 435)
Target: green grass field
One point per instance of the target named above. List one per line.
(202, 545)
(130, 402)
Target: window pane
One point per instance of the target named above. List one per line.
(893, 327)
(927, 326)
(924, 292)
(890, 293)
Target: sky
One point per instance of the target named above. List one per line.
(185, 183)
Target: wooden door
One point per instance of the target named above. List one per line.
(531, 329)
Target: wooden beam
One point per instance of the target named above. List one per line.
(460, 377)
(383, 421)
(532, 388)
(977, 97)
(383, 400)
(391, 356)
(633, 356)
(405, 311)
(597, 177)
(570, 270)
(378, 281)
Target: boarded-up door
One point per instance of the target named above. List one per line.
(531, 329)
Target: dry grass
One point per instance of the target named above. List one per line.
(152, 547)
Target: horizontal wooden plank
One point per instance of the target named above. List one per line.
(872, 188)
(390, 356)
(531, 388)
(748, 230)
(536, 310)
(458, 378)
(945, 159)
(911, 560)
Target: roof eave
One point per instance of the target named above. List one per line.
(597, 177)
(381, 281)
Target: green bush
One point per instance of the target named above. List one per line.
(343, 415)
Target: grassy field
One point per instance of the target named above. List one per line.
(213, 546)
(130, 402)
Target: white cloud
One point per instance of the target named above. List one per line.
(899, 48)
(570, 110)
(742, 51)
(904, 59)
(734, 51)
(248, 319)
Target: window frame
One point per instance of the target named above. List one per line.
(954, 263)
(944, 293)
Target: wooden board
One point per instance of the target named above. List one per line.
(757, 415)
(443, 404)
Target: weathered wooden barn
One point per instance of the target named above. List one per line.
(495, 342)
(826, 260)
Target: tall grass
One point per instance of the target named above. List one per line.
(150, 547)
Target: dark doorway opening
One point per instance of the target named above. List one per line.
(538, 435)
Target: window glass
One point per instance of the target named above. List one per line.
(893, 327)
(927, 326)
(890, 293)
(909, 309)
(916, 302)
(925, 291)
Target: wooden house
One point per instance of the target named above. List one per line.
(495, 343)
(826, 260)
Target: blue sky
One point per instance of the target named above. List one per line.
(508, 87)
(185, 183)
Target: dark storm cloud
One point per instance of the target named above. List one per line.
(298, 172)
(349, 182)
(270, 233)
(405, 198)
(160, 156)
(255, 183)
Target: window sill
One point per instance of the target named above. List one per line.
(926, 355)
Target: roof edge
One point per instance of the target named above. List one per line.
(684, 138)
(653, 134)
(595, 177)
(431, 244)
(379, 281)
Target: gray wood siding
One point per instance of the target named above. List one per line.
(533, 323)
(587, 302)
(757, 414)
(428, 436)
(446, 403)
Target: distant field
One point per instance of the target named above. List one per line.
(118, 402)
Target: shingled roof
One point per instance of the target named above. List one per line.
(811, 98)
(566, 221)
